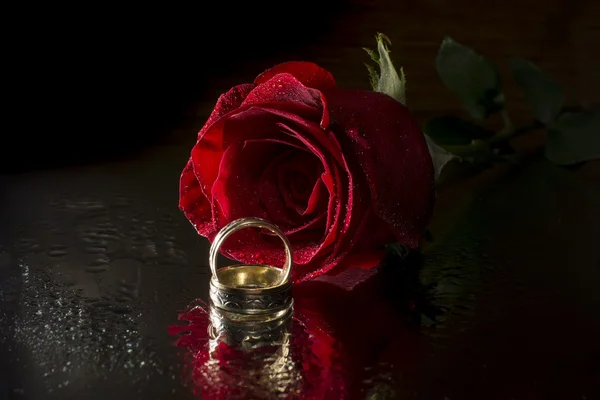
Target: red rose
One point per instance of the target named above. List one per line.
(341, 172)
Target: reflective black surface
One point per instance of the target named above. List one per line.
(97, 263)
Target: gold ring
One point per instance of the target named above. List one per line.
(244, 223)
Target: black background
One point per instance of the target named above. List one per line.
(91, 81)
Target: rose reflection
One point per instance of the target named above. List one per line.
(338, 344)
(272, 360)
(262, 354)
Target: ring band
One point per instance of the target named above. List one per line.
(244, 223)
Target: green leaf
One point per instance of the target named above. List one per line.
(387, 81)
(397, 249)
(439, 156)
(374, 56)
(544, 96)
(450, 131)
(574, 137)
(472, 78)
(373, 76)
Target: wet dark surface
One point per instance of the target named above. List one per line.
(97, 263)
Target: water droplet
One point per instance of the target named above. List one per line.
(95, 250)
(57, 250)
(99, 262)
(96, 269)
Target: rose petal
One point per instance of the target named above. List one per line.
(348, 209)
(341, 250)
(235, 195)
(193, 202)
(354, 270)
(323, 145)
(380, 234)
(235, 189)
(193, 193)
(307, 131)
(293, 224)
(316, 197)
(345, 210)
(298, 225)
(363, 260)
(308, 73)
(393, 155)
(284, 140)
(271, 196)
(237, 192)
(206, 168)
(309, 231)
(227, 102)
(283, 91)
(238, 127)
(257, 123)
(298, 176)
